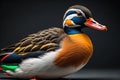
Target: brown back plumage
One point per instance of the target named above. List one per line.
(45, 40)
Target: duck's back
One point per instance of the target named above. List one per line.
(40, 41)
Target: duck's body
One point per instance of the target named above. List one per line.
(73, 53)
(53, 52)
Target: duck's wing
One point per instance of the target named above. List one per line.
(34, 45)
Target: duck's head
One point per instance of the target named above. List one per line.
(78, 17)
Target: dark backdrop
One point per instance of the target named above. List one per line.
(19, 18)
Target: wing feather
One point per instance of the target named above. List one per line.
(45, 40)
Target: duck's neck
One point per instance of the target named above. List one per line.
(71, 30)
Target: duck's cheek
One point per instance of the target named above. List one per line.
(78, 20)
(69, 22)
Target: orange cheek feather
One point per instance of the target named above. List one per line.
(76, 50)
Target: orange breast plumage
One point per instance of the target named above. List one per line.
(76, 50)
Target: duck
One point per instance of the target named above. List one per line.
(54, 52)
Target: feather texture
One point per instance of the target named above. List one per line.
(46, 40)
(33, 46)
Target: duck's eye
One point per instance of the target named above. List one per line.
(79, 14)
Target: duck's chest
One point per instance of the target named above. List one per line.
(76, 50)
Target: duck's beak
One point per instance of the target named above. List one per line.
(95, 25)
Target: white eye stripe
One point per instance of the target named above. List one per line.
(70, 16)
(76, 10)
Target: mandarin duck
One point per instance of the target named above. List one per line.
(53, 52)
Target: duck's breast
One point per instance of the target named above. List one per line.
(76, 51)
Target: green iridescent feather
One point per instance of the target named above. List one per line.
(9, 67)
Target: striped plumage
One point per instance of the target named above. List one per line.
(53, 52)
(46, 40)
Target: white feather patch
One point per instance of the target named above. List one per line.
(42, 67)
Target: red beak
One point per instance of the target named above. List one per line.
(95, 25)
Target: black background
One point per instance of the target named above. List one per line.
(19, 18)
